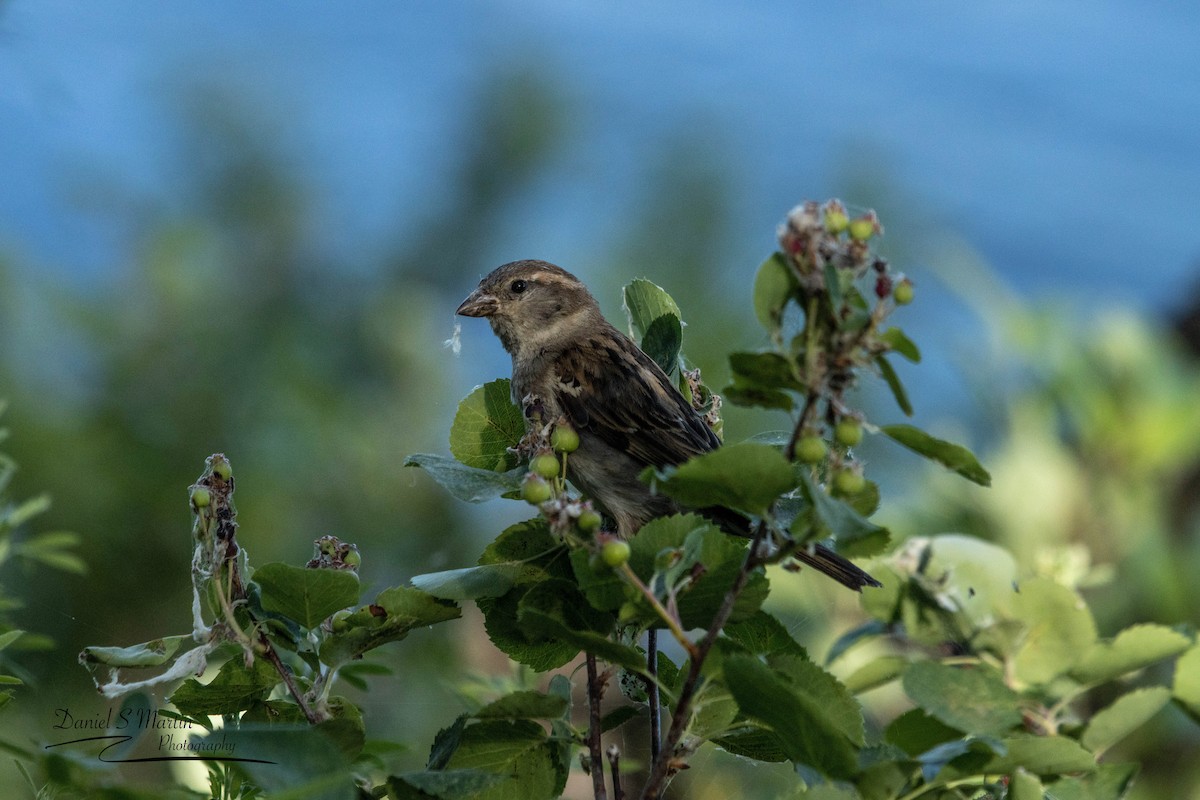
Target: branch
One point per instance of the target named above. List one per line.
(652, 697)
(661, 768)
(614, 762)
(595, 691)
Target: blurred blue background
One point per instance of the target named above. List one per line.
(245, 227)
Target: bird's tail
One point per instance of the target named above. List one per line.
(817, 556)
(822, 559)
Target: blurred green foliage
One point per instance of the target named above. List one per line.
(230, 326)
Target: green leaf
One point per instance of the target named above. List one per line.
(752, 741)
(803, 728)
(972, 700)
(148, 654)
(51, 548)
(470, 484)
(953, 456)
(868, 630)
(446, 742)
(701, 543)
(825, 791)
(231, 691)
(763, 398)
(395, 612)
(916, 732)
(520, 752)
(301, 762)
(1023, 786)
(773, 285)
(486, 425)
(469, 583)
(1059, 629)
(1042, 755)
(524, 705)
(893, 382)
(763, 634)
(600, 584)
(1135, 647)
(827, 692)
(895, 339)
(541, 558)
(1108, 782)
(662, 342)
(767, 370)
(745, 476)
(618, 717)
(306, 595)
(855, 535)
(449, 784)
(722, 557)
(555, 610)
(644, 303)
(1186, 686)
(876, 672)
(8, 637)
(14, 517)
(1129, 712)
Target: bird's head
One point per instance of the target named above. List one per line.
(532, 304)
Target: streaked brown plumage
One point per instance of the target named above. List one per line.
(626, 410)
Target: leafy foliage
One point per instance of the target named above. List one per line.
(999, 667)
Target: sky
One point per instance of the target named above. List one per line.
(1059, 141)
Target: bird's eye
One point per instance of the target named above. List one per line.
(518, 286)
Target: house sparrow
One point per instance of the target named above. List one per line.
(627, 412)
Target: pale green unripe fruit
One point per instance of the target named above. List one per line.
(588, 521)
(862, 229)
(903, 293)
(564, 439)
(848, 432)
(201, 497)
(848, 482)
(836, 221)
(615, 552)
(811, 449)
(545, 465)
(535, 490)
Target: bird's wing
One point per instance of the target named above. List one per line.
(615, 391)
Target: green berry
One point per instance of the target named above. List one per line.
(848, 431)
(564, 439)
(339, 622)
(811, 449)
(544, 464)
(535, 490)
(836, 221)
(222, 469)
(200, 497)
(588, 521)
(848, 482)
(903, 293)
(628, 612)
(862, 228)
(615, 552)
(352, 559)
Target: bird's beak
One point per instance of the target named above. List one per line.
(478, 304)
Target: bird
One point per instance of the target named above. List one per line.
(573, 363)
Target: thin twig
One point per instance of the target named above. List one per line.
(594, 692)
(652, 695)
(614, 762)
(683, 705)
(670, 619)
(286, 674)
